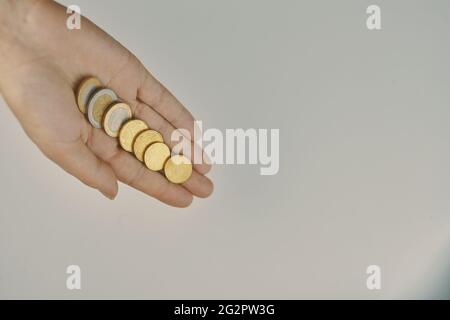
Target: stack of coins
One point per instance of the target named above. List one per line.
(104, 110)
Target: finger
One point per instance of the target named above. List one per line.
(158, 123)
(131, 171)
(199, 185)
(82, 163)
(154, 94)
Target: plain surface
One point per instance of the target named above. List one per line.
(364, 121)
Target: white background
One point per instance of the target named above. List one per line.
(364, 121)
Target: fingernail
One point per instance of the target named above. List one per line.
(109, 196)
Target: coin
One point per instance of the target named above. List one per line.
(85, 90)
(156, 155)
(97, 105)
(143, 140)
(115, 116)
(178, 169)
(129, 131)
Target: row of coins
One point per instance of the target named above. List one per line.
(104, 110)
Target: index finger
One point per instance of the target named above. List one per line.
(154, 94)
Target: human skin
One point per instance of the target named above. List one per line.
(41, 64)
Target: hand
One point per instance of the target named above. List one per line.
(41, 63)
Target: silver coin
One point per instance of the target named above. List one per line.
(115, 116)
(98, 103)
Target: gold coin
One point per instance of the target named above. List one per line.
(129, 131)
(100, 100)
(178, 169)
(115, 116)
(156, 155)
(143, 140)
(85, 90)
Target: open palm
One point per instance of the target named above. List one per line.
(38, 84)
